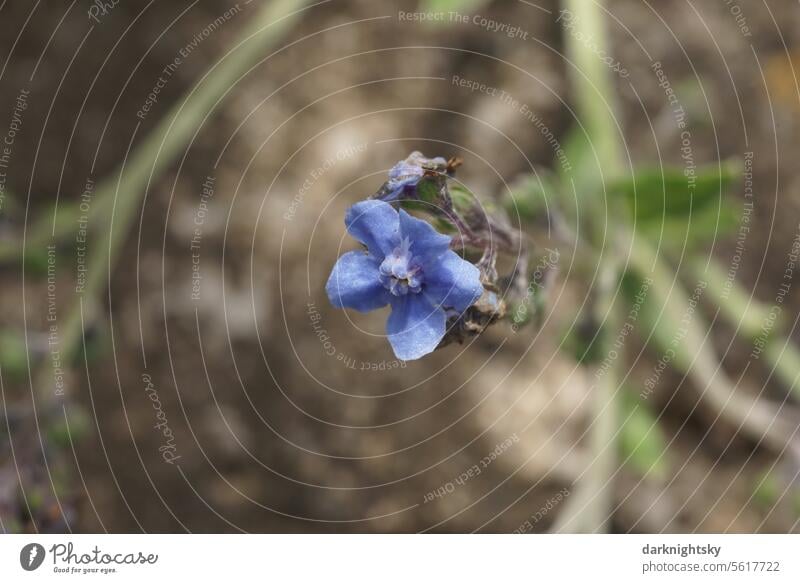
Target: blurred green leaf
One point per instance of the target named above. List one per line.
(703, 227)
(463, 200)
(13, 359)
(36, 261)
(766, 490)
(584, 342)
(641, 440)
(528, 194)
(450, 5)
(74, 427)
(658, 194)
(667, 209)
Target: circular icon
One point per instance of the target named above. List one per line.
(31, 556)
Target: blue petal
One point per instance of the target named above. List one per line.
(415, 327)
(405, 173)
(450, 281)
(401, 176)
(426, 243)
(355, 283)
(395, 191)
(375, 224)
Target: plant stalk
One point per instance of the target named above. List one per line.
(118, 196)
(587, 510)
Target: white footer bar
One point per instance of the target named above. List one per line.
(355, 558)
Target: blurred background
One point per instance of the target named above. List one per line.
(174, 181)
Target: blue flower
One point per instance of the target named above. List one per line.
(407, 265)
(401, 176)
(406, 174)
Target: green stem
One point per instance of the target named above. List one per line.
(751, 319)
(785, 360)
(594, 92)
(118, 197)
(587, 510)
(736, 306)
(685, 335)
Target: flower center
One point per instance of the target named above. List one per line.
(399, 273)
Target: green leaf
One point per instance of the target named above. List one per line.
(658, 194)
(428, 190)
(641, 440)
(667, 207)
(36, 261)
(767, 490)
(702, 228)
(13, 359)
(450, 5)
(529, 194)
(72, 428)
(462, 198)
(415, 206)
(444, 226)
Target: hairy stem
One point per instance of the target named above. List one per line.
(736, 306)
(587, 510)
(118, 196)
(682, 331)
(753, 320)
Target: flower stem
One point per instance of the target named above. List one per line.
(587, 510)
(119, 195)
